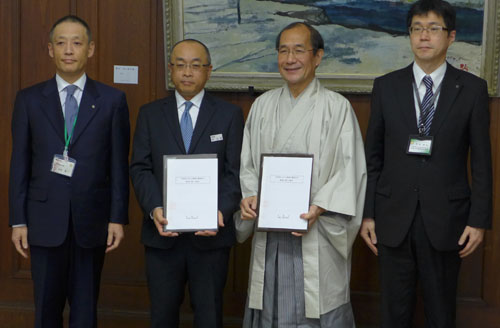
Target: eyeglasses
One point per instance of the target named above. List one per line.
(433, 29)
(196, 67)
(297, 52)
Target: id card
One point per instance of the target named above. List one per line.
(63, 165)
(419, 145)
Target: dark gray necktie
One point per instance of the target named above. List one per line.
(70, 108)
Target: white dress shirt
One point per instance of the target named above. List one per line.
(61, 87)
(195, 109)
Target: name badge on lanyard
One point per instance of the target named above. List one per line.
(421, 144)
(63, 164)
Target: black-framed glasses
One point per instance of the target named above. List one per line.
(433, 29)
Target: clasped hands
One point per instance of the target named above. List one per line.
(248, 207)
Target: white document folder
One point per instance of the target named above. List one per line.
(284, 192)
(190, 192)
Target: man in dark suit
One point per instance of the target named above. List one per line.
(421, 215)
(200, 258)
(68, 193)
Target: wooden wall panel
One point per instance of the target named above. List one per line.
(130, 32)
(9, 11)
(491, 285)
(124, 29)
(11, 289)
(36, 19)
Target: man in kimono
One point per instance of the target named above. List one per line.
(288, 270)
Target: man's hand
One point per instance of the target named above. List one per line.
(209, 233)
(115, 236)
(160, 221)
(367, 232)
(311, 216)
(20, 240)
(475, 237)
(248, 207)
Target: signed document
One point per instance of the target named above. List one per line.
(284, 192)
(190, 192)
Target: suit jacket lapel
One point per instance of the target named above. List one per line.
(51, 105)
(205, 114)
(404, 94)
(449, 90)
(172, 118)
(88, 108)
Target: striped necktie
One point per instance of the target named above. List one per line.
(427, 109)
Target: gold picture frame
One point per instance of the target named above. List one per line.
(175, 14)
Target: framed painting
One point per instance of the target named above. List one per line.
(363, 39)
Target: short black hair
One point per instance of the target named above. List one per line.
(73, 19)
(315, 38)
(439, 7)
(209, 59)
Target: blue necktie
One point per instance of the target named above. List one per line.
(187, 126)
(427, 105)
(70, 108)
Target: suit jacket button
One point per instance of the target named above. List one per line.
(424, 159)
(415, 189)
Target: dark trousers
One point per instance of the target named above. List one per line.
(67, 272)
(417, 260)
(204, 271)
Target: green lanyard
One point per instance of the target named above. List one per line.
(67, 137)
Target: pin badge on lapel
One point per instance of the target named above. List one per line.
(216, 137)
(93, 106)
(457, 86)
